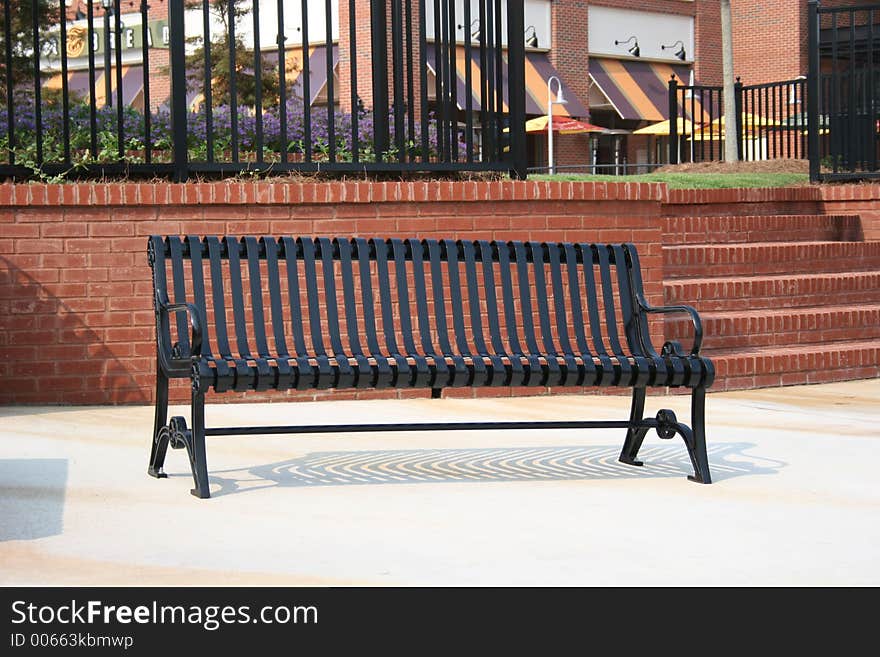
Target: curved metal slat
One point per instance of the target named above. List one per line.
(179, 285)
(459, 374)
(324, 376)
(517, 353)
(306, 374)
(456, 299)
(644, 369)
(368, 301)
(537, 253)
(273, 276)
(328, 270)
(403, 369)
(194, 246)
(607, 375)
(265, 375)
(244, 374)
(577, 311)
(422, 373)
(441, 369)
(622, 366)
(364, 378)
(573, 374)
(496, 374)
(525, 303)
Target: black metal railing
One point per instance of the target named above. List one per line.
(695, 126)
(220, 101)
(844, 108)
(771, 121)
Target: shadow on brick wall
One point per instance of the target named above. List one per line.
(50, 353)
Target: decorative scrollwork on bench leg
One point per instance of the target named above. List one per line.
(635, 435)
(179, 436)
(694, 436)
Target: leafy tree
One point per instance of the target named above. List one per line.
(21, 38)
(221, 69)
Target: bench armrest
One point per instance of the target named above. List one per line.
(690, 310)
(195, 343)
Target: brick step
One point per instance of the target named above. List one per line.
(774, 366)
(790, 326)
(781, 291)
(707, 260)
(762, 228)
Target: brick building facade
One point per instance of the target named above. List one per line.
(770, 38)
(571, 54)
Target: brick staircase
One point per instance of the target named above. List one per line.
(785, 298)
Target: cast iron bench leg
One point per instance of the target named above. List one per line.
(198, 457)
(160, 427)
(694, 436)
(635, 436)
(697, 445)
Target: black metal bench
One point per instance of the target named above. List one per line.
(409, 313)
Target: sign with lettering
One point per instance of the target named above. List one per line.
(131, 37)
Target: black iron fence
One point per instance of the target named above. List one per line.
(771, 121)
(695, 129)
(207, 95)
(844, 108)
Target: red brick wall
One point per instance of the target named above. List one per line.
(76, 320)
(707, 41)
(861, 200)
(769, 40)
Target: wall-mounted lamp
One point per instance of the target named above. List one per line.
(475, 32)
(634, 50)
(532, 41)
(681, 53)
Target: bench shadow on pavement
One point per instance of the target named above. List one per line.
(31, 498)
(435, 466)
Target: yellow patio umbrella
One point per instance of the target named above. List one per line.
(705, 135)
(661, 129)
(748, 121)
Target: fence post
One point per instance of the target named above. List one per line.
(813, 127)
(178, 89)
(379, 55)
(673, 120)
(738, 98)
(516, 75)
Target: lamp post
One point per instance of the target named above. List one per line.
(560, 100)
(108, 90)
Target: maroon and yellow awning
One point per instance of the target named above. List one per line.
(538, 70)
(638, 91)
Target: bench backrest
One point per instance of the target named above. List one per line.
(262, 297)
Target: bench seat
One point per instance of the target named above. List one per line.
(292, 313)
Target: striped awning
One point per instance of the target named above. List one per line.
(317, 68)
(538, 70)
(78, 85)
(638, 91)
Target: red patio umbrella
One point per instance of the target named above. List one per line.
(564, 125)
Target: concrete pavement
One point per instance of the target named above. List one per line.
(796, 498)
